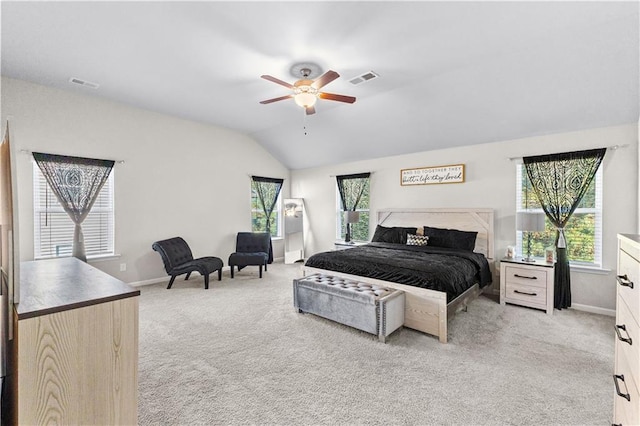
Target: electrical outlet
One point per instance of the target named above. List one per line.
(123, 267)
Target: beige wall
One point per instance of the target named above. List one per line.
(179, 178)
(490, 182)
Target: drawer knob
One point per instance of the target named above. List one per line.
(524, 276)
(617, 377)
(624, 281)
(525, 293)
(623, 339)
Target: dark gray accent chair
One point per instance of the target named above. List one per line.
(178, 260)
(252, 249)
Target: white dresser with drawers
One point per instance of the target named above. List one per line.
(626, 376)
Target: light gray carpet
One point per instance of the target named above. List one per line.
(239, 353)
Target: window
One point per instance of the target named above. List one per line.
(583, 231)
(360, 230)
(259, 219)
(53, 229)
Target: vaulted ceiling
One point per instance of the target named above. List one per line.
(450, 73)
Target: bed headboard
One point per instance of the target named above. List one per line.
(478, 220)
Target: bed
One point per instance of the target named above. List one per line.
(434, 290)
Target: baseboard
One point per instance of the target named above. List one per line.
(148, 282)
(593, 309)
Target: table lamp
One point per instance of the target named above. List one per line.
(529, 222)
(350, 217)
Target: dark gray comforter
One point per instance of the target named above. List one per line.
(448, 270)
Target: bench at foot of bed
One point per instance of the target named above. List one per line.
(372, 308)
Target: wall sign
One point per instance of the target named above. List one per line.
(432, 175)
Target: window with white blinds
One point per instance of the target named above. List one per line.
(53, 229)
(583, 230)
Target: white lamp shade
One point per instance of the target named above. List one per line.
(530, 222)
(352, 217)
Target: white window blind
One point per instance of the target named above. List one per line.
(53, 229)
(583, 230)
(258, 218)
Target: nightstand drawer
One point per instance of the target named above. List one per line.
(526, 295)
(526, 276)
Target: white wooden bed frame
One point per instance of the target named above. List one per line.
(427, 310)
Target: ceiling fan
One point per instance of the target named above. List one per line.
(306, 92)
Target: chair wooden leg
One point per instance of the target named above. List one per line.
(220, 274)
(260, 266)
(231, 267)
(188, 275)
(173, 277)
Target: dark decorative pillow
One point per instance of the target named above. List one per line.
(451, 238)
(417, 240)
(396, 234)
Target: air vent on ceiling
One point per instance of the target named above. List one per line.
(367, 76)
(84, 83)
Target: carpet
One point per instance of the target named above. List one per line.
(239, 353)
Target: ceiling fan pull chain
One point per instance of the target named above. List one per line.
(304, 122)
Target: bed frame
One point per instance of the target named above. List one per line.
(427, 310)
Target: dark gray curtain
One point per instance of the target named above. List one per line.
(267, 190)
(76, 183)
(559, 182)
(351, 188)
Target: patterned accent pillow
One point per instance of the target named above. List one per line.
(417, 240)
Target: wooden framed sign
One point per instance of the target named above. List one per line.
(432, 175)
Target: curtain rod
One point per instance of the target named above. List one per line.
(332, 176)
(613, 147)
(27, 151)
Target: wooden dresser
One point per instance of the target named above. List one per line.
(75, 360)
(626, 375)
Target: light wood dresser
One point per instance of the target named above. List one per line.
(527, 284)
(626, 375)
(75, 356)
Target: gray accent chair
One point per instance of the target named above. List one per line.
(178, 259)
(252, 249)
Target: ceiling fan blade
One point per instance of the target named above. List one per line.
(281, 98)
(311, 110)
(325, 79)
(334, 97)
(277, 81)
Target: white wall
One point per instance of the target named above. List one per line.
(179, 178)
(490, 182)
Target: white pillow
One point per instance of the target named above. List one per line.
(417, 240)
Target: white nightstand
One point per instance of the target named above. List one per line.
(341, 245)
(527, 284)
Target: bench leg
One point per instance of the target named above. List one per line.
(206, 282)
(261, 270)
(220, 274)
(173, 277)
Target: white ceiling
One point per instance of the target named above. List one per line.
(451, 73)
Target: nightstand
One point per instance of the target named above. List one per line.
(527, 284)
(341, 245)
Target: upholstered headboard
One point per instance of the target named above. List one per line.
(464, 219)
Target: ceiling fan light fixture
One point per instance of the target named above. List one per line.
(305, 96)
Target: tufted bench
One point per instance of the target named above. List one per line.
(368, 307)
